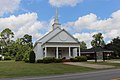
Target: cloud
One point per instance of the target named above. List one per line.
(87, 37)
(110, 27)
(23, 24)
(60, 3)
(8, 6)
(91, 21)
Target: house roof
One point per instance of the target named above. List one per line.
(46, 35)
(95, 49)
(67, 33)
(52, 34)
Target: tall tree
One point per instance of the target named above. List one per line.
(6, 35)
(27, 39)
(115, 46)
(98, 40)
(24, 46)
(83, 45)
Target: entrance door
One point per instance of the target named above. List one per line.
(60, 54)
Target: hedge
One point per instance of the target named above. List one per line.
(58, 60)
(39, 61)
(73, 59)
(7, 58)
(48, 60)
(81, 58)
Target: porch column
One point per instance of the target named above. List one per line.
(69, 52)
(57, 52)
(79, 51)
(45, 51)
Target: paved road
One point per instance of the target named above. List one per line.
(96, 75)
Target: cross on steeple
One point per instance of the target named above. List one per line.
(56, 20)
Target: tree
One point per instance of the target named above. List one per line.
(24, 46)
(83, 45)
(98, 40)
(19, 49)
(6, 35)
(115, 46)
(32, 57)
(27, 39)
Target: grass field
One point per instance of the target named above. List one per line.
(20, 69)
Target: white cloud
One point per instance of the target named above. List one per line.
(8, 6)
(83, 22)
(87, 37)
(91, 21)
(23, 24)
(60, 3)
(110, 26)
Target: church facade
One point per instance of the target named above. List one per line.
(57, 43)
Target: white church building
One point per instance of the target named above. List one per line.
(57, 43)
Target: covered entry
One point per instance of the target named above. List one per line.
(61, 52)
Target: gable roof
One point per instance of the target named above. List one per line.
(47, 34)
(52, 34)
(66, 33)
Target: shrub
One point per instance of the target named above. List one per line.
(40, 61)
(66, 60)
(81, 58)
(19, 57)
(58, 60)
(32, 57)
(48, 60)
(0, 58)
(73, 59)
(7, 58)
(27, 60)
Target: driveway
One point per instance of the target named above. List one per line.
(96, 75)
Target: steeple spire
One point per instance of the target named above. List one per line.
(56, 20)
(56, 17)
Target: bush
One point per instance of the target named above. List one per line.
(40, 61)
(27, 60)
(48, 60)
(66, 60)
(7, 58)
(18, 57)
(58, 60)
(73, 59)
(81, 58)
(0, 58)
(32, 57)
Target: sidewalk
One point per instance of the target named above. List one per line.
(96, 66)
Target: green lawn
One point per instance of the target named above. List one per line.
(20, 69)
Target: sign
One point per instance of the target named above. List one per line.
(99, 55)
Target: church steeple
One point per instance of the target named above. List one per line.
(56, 16)
(56, 20)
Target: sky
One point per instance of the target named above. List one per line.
(81, 18)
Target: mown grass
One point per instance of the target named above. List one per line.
(21, 69)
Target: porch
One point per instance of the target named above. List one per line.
(61, 52)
